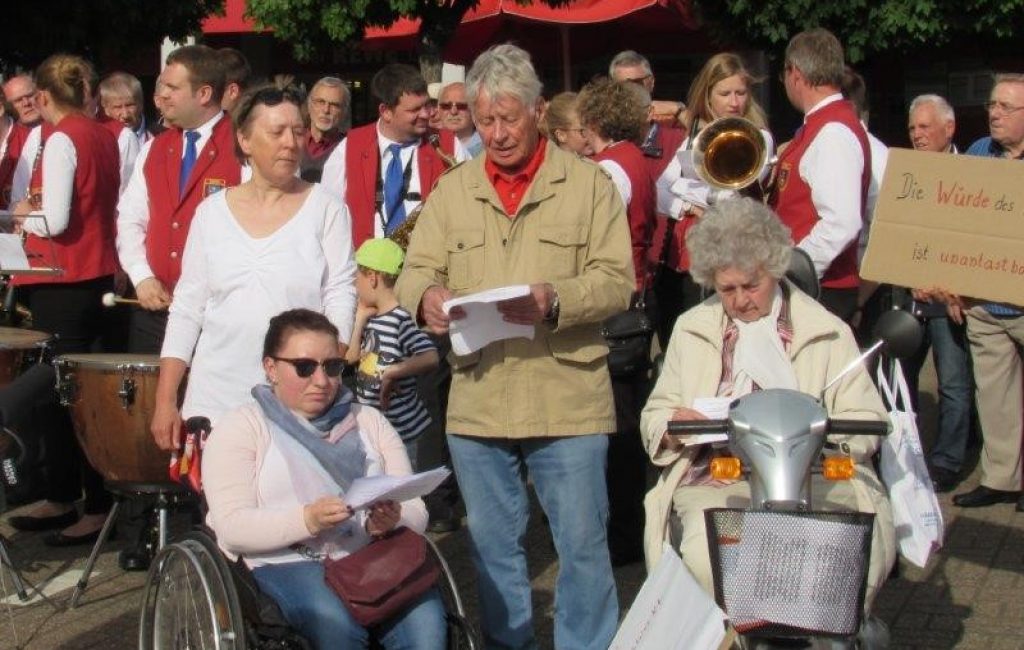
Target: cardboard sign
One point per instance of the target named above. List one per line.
(950, 221)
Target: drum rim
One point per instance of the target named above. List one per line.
(112, 361)
(41, 338)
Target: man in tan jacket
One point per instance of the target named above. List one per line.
(528, 213)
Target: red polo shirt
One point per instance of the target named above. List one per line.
(324, 147)
(512, 187)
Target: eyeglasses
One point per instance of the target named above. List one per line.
(458, 106)
(322, 103)
(269, 96)
(27, 97)
(638, 80)
(1001, 107)
(306, 367)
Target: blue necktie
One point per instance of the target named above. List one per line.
(394, 206)
(189, 161)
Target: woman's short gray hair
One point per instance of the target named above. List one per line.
(738, 233)
(503, 70)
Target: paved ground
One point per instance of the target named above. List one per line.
(969, 596)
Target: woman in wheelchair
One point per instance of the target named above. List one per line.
(757, 332)
(272, 475)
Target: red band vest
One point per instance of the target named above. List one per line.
(85, 250)
(362, 153)
(170, 214)
(791, 198)
(16, 137)
(640, 211)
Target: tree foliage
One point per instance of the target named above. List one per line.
(866, 27)
(312, 26)
(103, 31)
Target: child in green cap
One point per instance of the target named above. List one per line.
(387, 346)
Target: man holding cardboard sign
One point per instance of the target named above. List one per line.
(996, 332)
(822, 177)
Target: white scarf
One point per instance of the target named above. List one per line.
(760, 357)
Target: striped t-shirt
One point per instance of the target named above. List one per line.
(388, 339)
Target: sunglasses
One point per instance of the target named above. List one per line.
(306, 367)
(269, 96)
(459, 106)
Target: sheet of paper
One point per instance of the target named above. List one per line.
(368, 490)
(12, 253)
(483, 323)
(671, 612)
(713, 408)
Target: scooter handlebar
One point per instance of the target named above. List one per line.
(858, 427)
(697, 427)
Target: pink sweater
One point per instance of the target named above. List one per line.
(232, 460)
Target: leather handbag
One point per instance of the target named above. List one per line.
(384, 577)
(629, 335)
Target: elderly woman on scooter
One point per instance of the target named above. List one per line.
(758, 331)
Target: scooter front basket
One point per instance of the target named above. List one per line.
(790, 574)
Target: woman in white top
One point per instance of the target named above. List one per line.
(721, 89)
(270, 244)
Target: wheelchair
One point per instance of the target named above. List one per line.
(194, 598)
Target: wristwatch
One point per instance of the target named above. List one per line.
(552, 315)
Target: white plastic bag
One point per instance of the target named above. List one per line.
(671, 612)
(915, 509)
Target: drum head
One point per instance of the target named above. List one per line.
(111, 361)
(15, 338)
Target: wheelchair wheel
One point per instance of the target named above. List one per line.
(190, 602)
(461, 633)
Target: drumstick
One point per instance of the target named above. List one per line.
(111, 299)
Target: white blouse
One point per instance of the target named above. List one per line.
(232, 284)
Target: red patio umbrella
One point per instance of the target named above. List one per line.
(596, 25)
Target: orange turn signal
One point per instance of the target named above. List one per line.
(726, 468)
(838, 468)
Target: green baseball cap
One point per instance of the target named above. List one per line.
(382, 255)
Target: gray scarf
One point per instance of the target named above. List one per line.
(344, 460)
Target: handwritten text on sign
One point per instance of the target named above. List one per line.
(950, 221)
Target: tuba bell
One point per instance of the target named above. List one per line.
(730, 154)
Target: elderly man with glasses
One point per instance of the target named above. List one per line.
(328, 104)
(455, 117)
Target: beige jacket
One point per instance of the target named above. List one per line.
(570, 231)
(822, 345)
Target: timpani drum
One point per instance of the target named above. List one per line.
(112, 398)
(17, 347)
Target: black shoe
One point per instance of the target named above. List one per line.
(985, 496)
(444, 519)
(60, 540)
(944, 480)
(135, 559)
(34, 524)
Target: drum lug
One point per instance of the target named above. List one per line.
(127, 392)
(66, 390)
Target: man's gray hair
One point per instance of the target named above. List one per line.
(818, 55)
(628, 59)
(939, 103)
(119, 84)
(503, 70)
(738, 233)
(346, 101)
(1008, 78)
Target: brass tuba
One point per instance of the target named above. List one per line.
(730, 154)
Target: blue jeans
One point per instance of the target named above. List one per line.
(316, 612)
(956, 388)
(568, 476)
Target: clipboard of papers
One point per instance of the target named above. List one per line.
(14, 258)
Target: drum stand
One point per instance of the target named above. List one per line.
(5, 561)
(165, 498)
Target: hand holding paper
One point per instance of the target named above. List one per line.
(368, 490)
(483, 323)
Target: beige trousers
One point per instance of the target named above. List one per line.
(999, 390)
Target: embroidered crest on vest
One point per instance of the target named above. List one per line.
(213, 185)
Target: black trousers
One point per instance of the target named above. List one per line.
(147, 330)
(626, 472)
(74, 314)
(841, 302)
(674, 293)
(433, 388)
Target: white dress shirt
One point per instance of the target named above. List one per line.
(335, 177)
(60, 160)
(23, 170)
(832, 167)
(232, 284)
(620, 178)
(879, 157)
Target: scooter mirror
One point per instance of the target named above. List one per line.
(900, 332)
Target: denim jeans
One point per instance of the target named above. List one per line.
(956, 388)
(568, 476)
(316, 612)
